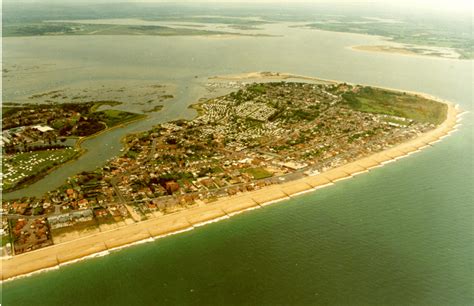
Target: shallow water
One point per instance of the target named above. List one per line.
(399, 235)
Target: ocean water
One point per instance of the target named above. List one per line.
(398, 235)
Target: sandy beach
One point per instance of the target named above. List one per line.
(102, 243)
(400, 50)
(385, 49)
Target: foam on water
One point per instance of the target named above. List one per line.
(211, 221)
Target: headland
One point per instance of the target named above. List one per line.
(100, 243)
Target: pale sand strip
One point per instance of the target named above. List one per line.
(317, 181)
(163, 226)
(135, 232)
(235, 205)
(355, 169)
(81, 249)
(204, 214)
(269, 195)
(296, 188)
(394, 153)
(401, 50)
(368, 163)
(407, 149)
(336, 174)
(380, 157)
(19, 265)
(100, 243)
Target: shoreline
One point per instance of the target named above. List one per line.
(397, 50)
(100, 244)
(269, 76)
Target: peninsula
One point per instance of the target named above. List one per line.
(259, 144)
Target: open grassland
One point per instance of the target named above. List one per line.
(258, 173)
(380, 101)
(113, 117)
(99, 104)
(23, 168)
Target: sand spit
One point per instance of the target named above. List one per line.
(409, 51)
(102, 243)
(269, 76)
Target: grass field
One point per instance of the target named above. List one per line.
(98, 104)
(257, 173)
(25, 167)
(113, 117)
(380, 101)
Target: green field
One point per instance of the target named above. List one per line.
(257, 173)
(23, 168)
(98, 104)
(113, 117)
(380, 101)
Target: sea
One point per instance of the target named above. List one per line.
(401, 234)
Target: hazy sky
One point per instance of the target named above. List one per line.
(450, 4)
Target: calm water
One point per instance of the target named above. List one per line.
(400, 235)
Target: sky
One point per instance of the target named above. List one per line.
(439, 4)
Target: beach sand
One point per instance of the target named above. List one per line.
(103, 242)
(385, 49)
(403, 50)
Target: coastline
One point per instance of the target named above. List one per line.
(103, 243)
(269, 76)
(388, 49)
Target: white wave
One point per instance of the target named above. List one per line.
(359, 172)
(175, 232)
(323, 186)
(211, 221)
(31, 273)
(244, 210)
(275, 201)
(99, 254)
(385, 162)
(301, 192)
(146, 240)
(342, 179)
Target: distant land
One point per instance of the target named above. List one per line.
(66, 29)
(436, 35)
(413, 38)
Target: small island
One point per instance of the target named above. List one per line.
(261, 143)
